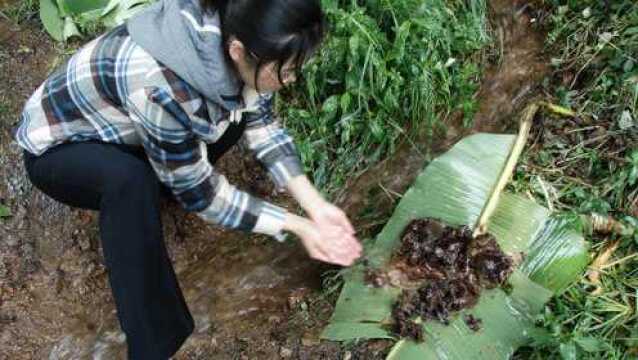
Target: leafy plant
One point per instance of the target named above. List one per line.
(587, 164)
(65, 18)
(4, 212)
(388, 70)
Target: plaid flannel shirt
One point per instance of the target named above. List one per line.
(114, 91)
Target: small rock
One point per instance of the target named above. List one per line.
(625, 121)
(296, 297)
(472, 322)
(310, 340)
(12, 240)
(285, 353)
(587, 13)
(24, 50)
(5, 336)
(85, 244)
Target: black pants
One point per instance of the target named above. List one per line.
(118, 181)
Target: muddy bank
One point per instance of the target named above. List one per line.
(54, 295)
(251, 297)
(517, 67)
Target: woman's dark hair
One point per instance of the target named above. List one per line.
(272, 30)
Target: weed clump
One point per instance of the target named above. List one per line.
(450, 268)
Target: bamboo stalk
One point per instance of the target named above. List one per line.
(517, 148)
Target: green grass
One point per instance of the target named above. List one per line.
(589, 164)
(20, 11)
(4, 109)
(388, 71)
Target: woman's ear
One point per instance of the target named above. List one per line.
(236, 50)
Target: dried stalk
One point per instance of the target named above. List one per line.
(508, 169)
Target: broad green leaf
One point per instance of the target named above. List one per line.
(70, 29)
(4, 212)
(125, 10)
(51, 19)
(76, 7)
(62, 8)
(515, 232)
(88, 17)
(359, 302)
(454, 188)
(568, 351)
(110, 6)
(590, 344)
(557, 254)
(63, 17)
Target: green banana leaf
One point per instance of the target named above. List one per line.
(4, 212)
(454, 189)
(64, 18)
(75, 7)
(52, 19)
(120, 10)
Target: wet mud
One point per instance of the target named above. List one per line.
(447, 269)
(55, 300)
(252, 298)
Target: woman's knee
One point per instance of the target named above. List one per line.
(44, 174)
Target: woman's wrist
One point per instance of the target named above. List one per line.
(314, 208)
(306, 194)
(293, 223)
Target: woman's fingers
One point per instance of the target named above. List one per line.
(339, 218)
(345, 254)
(346, 224)
(345, 245)
(316, 252)
(335, 216)
(332, 244)
(350, 243)
(339, 260)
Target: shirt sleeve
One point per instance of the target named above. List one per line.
(271, 144)
(180, 160)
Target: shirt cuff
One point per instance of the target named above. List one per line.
(285, 169)
(271, 221)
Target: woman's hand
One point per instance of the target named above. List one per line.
(328, 233)
(333, 225)
(327, 215)
(328, 243)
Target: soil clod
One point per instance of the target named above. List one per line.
(473, 323)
